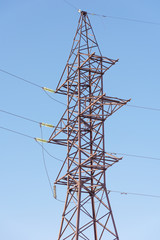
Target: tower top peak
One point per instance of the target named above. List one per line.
(84, 13)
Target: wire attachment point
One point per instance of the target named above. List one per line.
(54, 192)
(48, 89)
(47, 125)
(41, 140)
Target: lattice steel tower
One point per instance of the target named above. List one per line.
(87, 212)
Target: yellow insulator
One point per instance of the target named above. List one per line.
(48, 90)
(47, 125)
(41, 140)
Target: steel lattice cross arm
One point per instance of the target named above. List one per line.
(87, 212)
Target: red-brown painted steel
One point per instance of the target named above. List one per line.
(87, 212)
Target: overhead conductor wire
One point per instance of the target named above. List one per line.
(58, 159)
(19, 116)
(22, 79)
(136, 156)
(142, 107)
(45, 89)
(71, 5)
(125, 19)
(114, 17)
(125, 194)
(13, 131)
(34, 121)
(43, 149)
(44, 162)
(137, 194)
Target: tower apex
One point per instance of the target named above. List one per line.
(84, 13)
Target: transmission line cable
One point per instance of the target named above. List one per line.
(115, 17)
(42, 140)
(47, 90)
(133, 193)
(45, 165)
(137, 156)
(70, 4)
(27, 81)
(28, 119)
(55, 99)
(44, 162)
(20, 133)
(43, 149)
(23, 134)
(19, 116)
(126, 19)
(125, 194)
(58, 159)
(38, 140)
(142, 107)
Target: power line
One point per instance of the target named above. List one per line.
(28, 119)
(45, 165)
(115, 17)
(124, 154)
(25, 135)
(58, 159)
(43, 149)
(27, 81)
(45, 90)
(19, 116)
(13, 131)
(137, 194)
(137, 156)
(55, 99)
(44, 162)
(71, 5)
(109, 191)
(125, 19)
(147, 108)
(128, 193)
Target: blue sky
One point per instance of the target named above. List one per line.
(36, 37)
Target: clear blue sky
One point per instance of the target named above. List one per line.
(36, 37)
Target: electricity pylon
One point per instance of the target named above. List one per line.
(87, 212)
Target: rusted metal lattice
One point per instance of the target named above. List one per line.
(87, 212)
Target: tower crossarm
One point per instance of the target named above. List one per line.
(100, 161)
(90, 63)
(60, 133)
